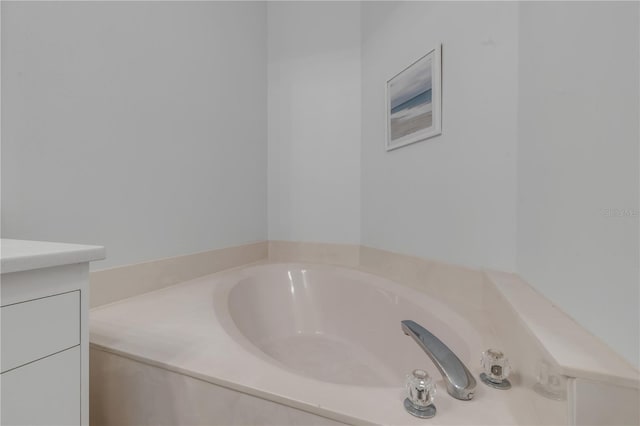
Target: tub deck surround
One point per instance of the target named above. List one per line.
(304, 252)
(575, 351)
(503, 311)
(460, 287)
(204, 329)
(598, 385)
(492, 297)
(110, 285)
(334, 324)
(199, 403)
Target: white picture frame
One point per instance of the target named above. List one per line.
(414, 102)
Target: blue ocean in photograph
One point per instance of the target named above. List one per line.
(410, 104)
(420, 98)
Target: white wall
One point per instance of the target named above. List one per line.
(137, 125)
(578, 160)
(314, 121)
(146, 133)
(453, 197)
(539, 147)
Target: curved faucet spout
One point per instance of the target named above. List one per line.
(460, 383)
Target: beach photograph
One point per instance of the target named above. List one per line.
(410, 103)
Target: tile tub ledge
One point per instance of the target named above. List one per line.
(503, 304)
(576, 352)
(161, 347)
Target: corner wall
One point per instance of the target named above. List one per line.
(578, 163)
(453, 197)
(536, 170)
(314, 121)
(140, 126)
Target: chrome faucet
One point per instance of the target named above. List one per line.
(460, 383)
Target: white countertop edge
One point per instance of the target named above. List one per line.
(577, 352)
(25, 255)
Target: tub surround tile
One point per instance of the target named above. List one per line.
(507, 313)
(593, 384)
(526, 355)
(597, 403)
(576, 352)
(490, 299)
(469, 292)
(304, 252)
(181, 332)
(495, 301)
(459, 286)
(179, 399)
(535, 334)
(111, 285)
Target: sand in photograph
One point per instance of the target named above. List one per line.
(411, 120)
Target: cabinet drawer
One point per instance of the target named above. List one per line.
(46, 392)
(37, 328)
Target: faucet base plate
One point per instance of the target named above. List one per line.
(503, 385)
(423, 413)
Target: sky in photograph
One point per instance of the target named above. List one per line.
(411, 82)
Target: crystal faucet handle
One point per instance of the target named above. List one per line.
(421, 391)
(496, 369)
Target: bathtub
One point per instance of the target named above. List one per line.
(279, 344)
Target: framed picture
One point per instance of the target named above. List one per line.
(414, 102)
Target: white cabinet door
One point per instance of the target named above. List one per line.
(37, 328)
(45, 392)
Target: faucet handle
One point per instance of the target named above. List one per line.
(496, 369)
(421, 391)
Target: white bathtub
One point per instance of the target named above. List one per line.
(278, 344)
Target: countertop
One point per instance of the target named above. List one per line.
(24, 255)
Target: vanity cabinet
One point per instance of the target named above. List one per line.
(44, 299)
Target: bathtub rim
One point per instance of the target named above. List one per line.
(322, 400)
(510, 288)
(223, 291)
